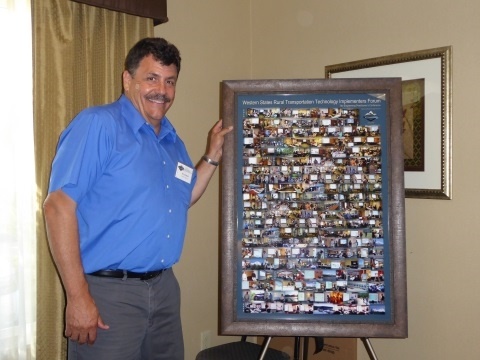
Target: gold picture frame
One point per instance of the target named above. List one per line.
(433, 180)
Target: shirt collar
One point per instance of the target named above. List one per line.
(135, 120)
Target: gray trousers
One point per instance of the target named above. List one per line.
(144, 320)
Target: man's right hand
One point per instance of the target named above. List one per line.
(82, 320)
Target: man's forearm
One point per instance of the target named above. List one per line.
(205, 172)
(62, 232)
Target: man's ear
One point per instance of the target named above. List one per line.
(127, 79)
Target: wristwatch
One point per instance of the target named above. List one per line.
(210, 161)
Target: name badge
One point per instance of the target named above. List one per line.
(184, 172)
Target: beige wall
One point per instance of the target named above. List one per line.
(269, 39)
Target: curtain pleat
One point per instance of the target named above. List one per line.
(79, 52)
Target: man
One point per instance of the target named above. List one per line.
(120, 189)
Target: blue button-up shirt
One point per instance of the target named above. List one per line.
(132, 187)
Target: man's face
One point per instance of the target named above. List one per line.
(151, 89)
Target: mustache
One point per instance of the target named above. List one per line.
(158, 97)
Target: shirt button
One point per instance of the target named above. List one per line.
(168, 236)
(170, 210)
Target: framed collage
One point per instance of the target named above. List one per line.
(313, 238)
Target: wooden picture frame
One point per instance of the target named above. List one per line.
(313, 234)
(428, 171)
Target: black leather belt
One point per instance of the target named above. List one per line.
(124, 274)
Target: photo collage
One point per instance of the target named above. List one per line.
(311, 229)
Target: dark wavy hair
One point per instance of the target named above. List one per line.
(161, 49)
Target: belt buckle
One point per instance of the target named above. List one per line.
(151, 275)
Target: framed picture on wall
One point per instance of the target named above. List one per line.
(313, 238)
(426, 109)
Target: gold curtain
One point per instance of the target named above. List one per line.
(78, 60)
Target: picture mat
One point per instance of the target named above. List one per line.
(349, 103)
